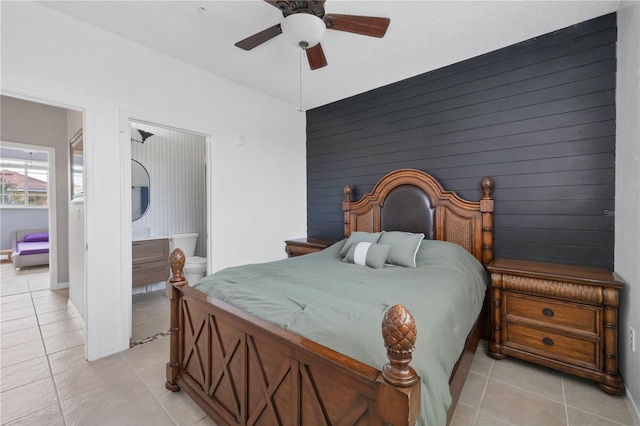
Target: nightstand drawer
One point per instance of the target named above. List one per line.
(547, 343)
(563, 314)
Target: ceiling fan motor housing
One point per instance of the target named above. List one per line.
(291, 7)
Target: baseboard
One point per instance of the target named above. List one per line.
(60, 286)
(633, 407)
(77, 313)
(160, 285)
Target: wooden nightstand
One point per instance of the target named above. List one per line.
(560, 316)
(306, 245)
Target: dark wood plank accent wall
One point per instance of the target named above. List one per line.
(538, 117)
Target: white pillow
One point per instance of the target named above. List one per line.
(359, 237)
(368, 254)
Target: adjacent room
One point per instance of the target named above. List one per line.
(319, 212)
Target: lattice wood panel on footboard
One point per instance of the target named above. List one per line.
(245, 371)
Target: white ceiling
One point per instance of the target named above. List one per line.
(422, 36)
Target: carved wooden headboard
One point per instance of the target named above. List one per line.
(413, 201)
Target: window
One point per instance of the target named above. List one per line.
(23, 182)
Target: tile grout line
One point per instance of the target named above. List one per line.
(55, 385)
(140, 342)
(564, 400)
(29, 292)
(596, 415)
(484, 392)
(567, 406)
(528, 391)
(564, 403)
(155, 397)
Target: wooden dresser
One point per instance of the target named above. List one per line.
(150, 259)
(560, 316)
(306, 245)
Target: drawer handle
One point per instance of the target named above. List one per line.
(548, 341)
(547, 312)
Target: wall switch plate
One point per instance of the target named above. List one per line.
(632, 339)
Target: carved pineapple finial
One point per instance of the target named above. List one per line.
(347, 192)
(176, 260)
(399, 333)
(487, 186)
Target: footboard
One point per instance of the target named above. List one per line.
(242, 370)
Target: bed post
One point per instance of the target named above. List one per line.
(486, 207)
(400, 384)
(347, 212)
(176, 260)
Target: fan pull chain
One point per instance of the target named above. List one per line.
(301, 55)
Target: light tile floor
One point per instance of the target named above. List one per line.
(149, 316)
(46, 381)
(514, 392)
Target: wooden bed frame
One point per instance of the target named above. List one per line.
(242, 370)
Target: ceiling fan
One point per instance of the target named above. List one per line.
(305, 23)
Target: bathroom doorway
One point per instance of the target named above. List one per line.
(168, 196)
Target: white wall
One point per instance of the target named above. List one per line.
(627, 221)
(21, 218)
(258, 191)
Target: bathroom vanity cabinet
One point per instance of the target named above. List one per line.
(150, 260)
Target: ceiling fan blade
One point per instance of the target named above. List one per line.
(316, 58)
(259, 38)
(365, 25)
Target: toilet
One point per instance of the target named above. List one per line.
(194, 266)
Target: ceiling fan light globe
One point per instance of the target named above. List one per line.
(303, 28)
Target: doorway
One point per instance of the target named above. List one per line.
(168, 195)
(46, 127)
(28, 203)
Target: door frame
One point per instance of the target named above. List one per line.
(126, 117)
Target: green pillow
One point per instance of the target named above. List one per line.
(368, 254)
(404, 246)
(359, 237)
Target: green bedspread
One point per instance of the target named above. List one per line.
(341, 305)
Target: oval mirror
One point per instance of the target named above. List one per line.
(139, 190)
